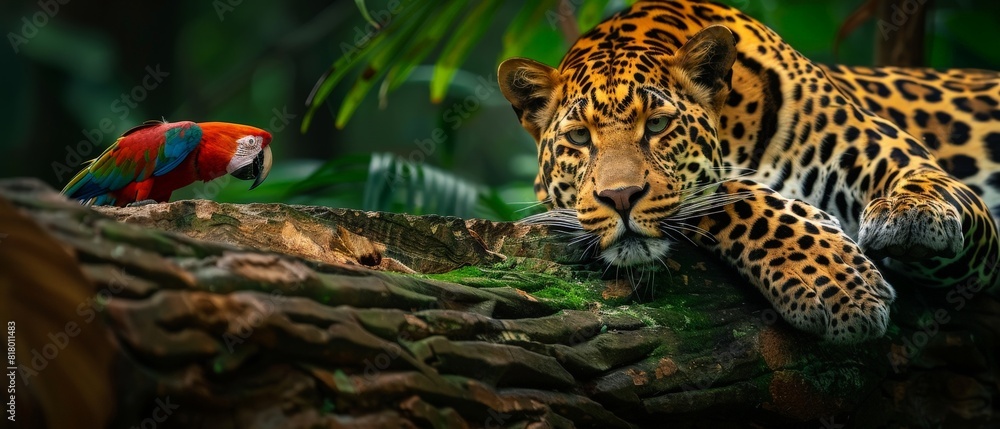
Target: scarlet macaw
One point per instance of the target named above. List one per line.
(151, 161)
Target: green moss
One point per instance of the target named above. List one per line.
(575, 298)
(673, 310)
(343, 382)
(328, 406)
(192, 221)
(576, 288)
(836, 381)
(457, 276)
(186, 221)
(221, 219)
(844, 378)
(561, 287)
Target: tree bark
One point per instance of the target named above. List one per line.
(270, 315)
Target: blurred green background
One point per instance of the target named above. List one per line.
(255, 62)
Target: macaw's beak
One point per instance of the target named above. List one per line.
(257, 170)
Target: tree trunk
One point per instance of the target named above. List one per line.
(269, 315)
(899, 33)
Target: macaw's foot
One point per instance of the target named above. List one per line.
(141, 203)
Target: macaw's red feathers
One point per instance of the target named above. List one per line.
(156, 158)
(151, 149)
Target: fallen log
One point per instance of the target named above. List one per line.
(271, 315)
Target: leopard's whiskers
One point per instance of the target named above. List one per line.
(565, 221)
(556, 217)
(528, 205)
(680, 228)
(709, 202)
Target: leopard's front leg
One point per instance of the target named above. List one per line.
(816, 277)
(935, 228)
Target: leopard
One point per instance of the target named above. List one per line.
(689, 120)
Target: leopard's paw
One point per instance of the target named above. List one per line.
(835, 292)
(910, 228)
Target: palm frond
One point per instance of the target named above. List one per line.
(458, 47)
(395, 49)
(388, 182)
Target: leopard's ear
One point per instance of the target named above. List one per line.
(530, 87)
(707, 62)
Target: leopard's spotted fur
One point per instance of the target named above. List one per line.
(651, 114)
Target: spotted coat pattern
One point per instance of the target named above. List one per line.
(691, 118)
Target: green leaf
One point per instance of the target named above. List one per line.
(590, 14)
(455, 51)
(525, 27)
(378, 67)
(364, 14)
(396, 184)
(353, 54)
(330, 79)
(323, 89)
(379, 173)
(424, 42)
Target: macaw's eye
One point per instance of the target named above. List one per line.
(656, 125)
(580, 136)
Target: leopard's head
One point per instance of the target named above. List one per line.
(626, 131)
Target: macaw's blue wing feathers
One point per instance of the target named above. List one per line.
(180, 141)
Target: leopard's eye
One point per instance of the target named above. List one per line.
(579, 136)
(656, 125)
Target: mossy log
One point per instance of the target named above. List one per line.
(271, 315)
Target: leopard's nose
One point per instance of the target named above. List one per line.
(623, 198)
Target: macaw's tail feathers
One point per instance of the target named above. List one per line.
(102, 200)
(76, 183)
(82, 186)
